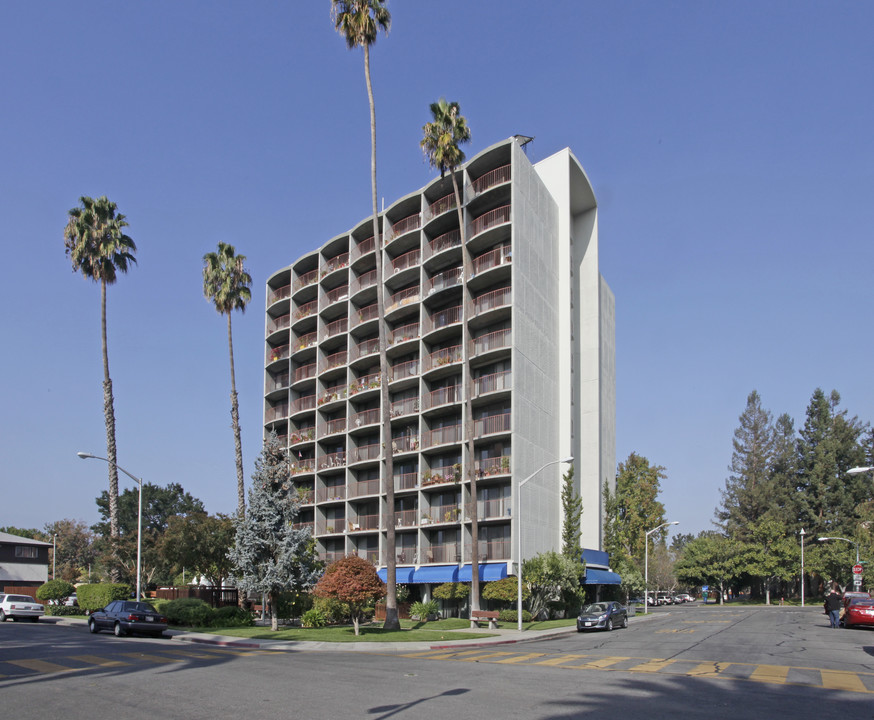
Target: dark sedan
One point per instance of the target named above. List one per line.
(128, 616)
(602, 616)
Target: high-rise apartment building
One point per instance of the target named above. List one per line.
(527, 334)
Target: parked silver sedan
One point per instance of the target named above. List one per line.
(19, 607)
(602, 616)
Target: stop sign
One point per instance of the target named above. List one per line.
(857, 569)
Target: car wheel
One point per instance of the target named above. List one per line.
(92, 626)
(2, 616)
(579, 629)
(609, 623)
(625, 621)
(118, 630)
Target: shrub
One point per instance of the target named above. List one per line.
(511, 616)
(292, 604)
(190, 612)
(54, 590)
(56, 610)
(313, 618)
(96, 596)
(332, 609)
(424, 610)
(232, 616)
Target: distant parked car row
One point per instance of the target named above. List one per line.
(669, 599)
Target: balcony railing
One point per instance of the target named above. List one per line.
(364, 452)
(491, 341)
(407, 406)
(332, 427)
(443, 356)
(337, 327)
(306, 402)
(403, 297)
(492, 258)
(441, 436)
(442, 514)
(366, 246)
(335, 392)
(447, 279)
(406, 443)
(441, 475)
(302, 435)
(364, 522)
(410, 368)
(276, 382)
(368, 312)
(372, 556)
(280, 352)
(306, 310)
(407, 224)
(488, 220)
(306, 279)
(493, 383)
(331, 526)
(446, 317)
(442, 396)
(282, 293)
(491, 178)
(406, 518)
(283, 322)
(364, 281)
(407, 556)
(336, 360)
(443, 553)
(333, 460)
(332, 556)
(337, 294)
(365, 487)
(364, 348)
(492, 424)
(404, 333)
(305, 341)
(445, 241)
(311, 526)
(335, 263)
(447, 202)
(304, 372)
(491, 300)
(406, 481)
(407, 260)
(333, 492)
(303, 465)
(491, 550)
(366, 417)
(490, 509)
(277, 412)
(368, 382)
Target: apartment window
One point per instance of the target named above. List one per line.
(26, 551)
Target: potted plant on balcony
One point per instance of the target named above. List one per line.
(505, 464)
(456, 472)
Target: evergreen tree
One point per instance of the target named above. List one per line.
(784, 475)
(747, 490)
(269, 555)
(572, 513)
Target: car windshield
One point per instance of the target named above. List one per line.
(594, 608)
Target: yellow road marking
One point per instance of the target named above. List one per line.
(40, 666)
(485, 656)
(705, 622)
(599, 663)
(560, 659)
(95, 660)
(653, 665)
(708, 669)
(152, 658)
(770, 673)
(842, 680)
(685, 631)
(520, 658)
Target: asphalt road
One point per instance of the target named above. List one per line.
(722, 663)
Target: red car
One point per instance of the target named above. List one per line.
(859, 611)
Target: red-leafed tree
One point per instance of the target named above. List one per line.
(351, 580)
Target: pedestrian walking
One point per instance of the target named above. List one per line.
(833, 607)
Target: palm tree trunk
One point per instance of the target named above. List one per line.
(235, 424)
(109, 415)
(391, 602)
(467, 391)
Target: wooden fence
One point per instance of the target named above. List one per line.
(214, 596)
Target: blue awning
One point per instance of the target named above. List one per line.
(437, 574)
(602, 577)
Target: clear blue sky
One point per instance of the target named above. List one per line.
(730, 147)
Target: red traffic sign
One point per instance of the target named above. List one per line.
(857, 569)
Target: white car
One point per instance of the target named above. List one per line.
(19, 607)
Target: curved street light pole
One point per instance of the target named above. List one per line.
(519, 536)
(139, 482)
(852, 542)
(646, 563)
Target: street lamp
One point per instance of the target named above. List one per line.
(519, 536)
(139, 482)
(802, 566)
(646, 563)
(852, 542)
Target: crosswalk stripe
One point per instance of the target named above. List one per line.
(42, 666)
(842, 680)
(770, 673)
(708, 669)
(152, 658)
(484, 656)
(652, 666)
(95, 660)
(600, 663)
(520, 658)
(560, 659)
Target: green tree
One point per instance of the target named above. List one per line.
(747, 492)
(98, 248)
(712, 559)
(784, 475)
(199, 543)
(773, 554)
(359, 22)
(505, 591)
(633, 509)
(227, 285)
(441, 143)
(548, 576)
(74, 548)
(353, 581)
(572, 513)
(452, 592)
(269, 556)
(56, 590)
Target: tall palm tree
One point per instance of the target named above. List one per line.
(226, 284)
(441, 141)
(359, 22)
(97, 246)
